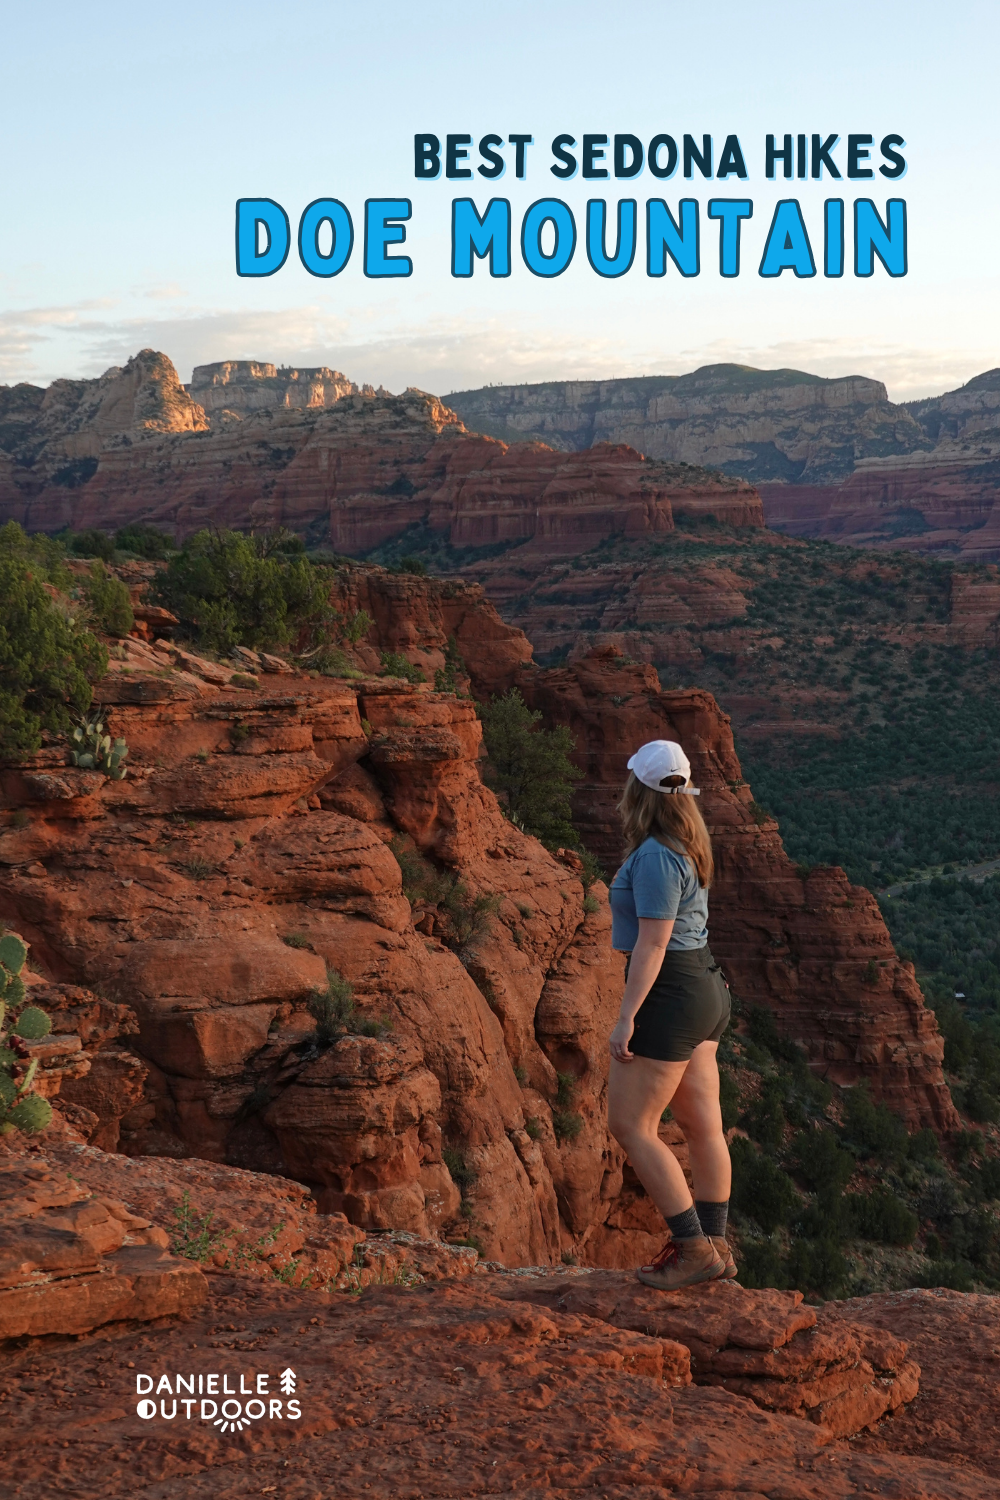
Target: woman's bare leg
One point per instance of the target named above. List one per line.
(638, 1093)
(695, 1106)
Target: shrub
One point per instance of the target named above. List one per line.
(47, 664)
(872, 1128)
(234, 590)
(45, 556)
(982, 1104)
(956, 1275)
(296, 940)
(729, 1098)
(421, 882)
(817, 1266)
(110, 603)
(566, 1124)
(529, 768)
(565, 1089)
(533, 1128)
(761, 1190)
(446, 677)
(414, 565)
(143, 540)
(880, 1215)
(395, 664)
(462, 1174)
(357, 626)
(987, 1178)
(765, 1120)
(761, 1264)
(470, 917)
(591, 904)
(824, 1164)
(332, 1009)
(92, 543)
(924, 1146)
(20, 1109)
(331, 661)
(592, 869)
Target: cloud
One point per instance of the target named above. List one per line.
(439, 354)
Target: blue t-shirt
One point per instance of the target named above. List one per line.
(658, 882)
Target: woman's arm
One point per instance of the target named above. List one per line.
(647, 956)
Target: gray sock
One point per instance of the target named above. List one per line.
(713, 1217)
(685, 1226)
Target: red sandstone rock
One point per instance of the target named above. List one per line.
(70, 1260)
(955, 1337)
(187, 917)
(439, 1391)
(765, 1345)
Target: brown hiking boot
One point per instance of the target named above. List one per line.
(724, 1253)
(682, 1263)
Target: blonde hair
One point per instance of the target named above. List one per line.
(674, 819)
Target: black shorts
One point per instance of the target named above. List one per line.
(687, 1004)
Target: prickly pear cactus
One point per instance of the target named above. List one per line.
(93, 750)
(20, 1109)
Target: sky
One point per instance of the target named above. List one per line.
(132, 131)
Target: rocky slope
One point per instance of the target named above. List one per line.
(831, 458)
(349, 473)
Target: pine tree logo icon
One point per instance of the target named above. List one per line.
(288, 1382)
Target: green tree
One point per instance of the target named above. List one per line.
(143, 540)
(92, 543)
(235, 590)
(110, 602)
(47, 664)
(44, 555)
(529, 768)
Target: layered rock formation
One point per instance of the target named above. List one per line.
(759, 424)
(831, 458)
(351, 472)
(245, 385)
(71, 1260)
(243, 859)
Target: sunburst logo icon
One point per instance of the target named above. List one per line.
(237, 1420)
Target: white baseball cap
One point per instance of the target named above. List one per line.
(656, 762)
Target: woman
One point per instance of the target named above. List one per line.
(674, 1010)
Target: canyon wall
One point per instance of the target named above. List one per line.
(830, 458)
(350, 473)
(759, 424)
